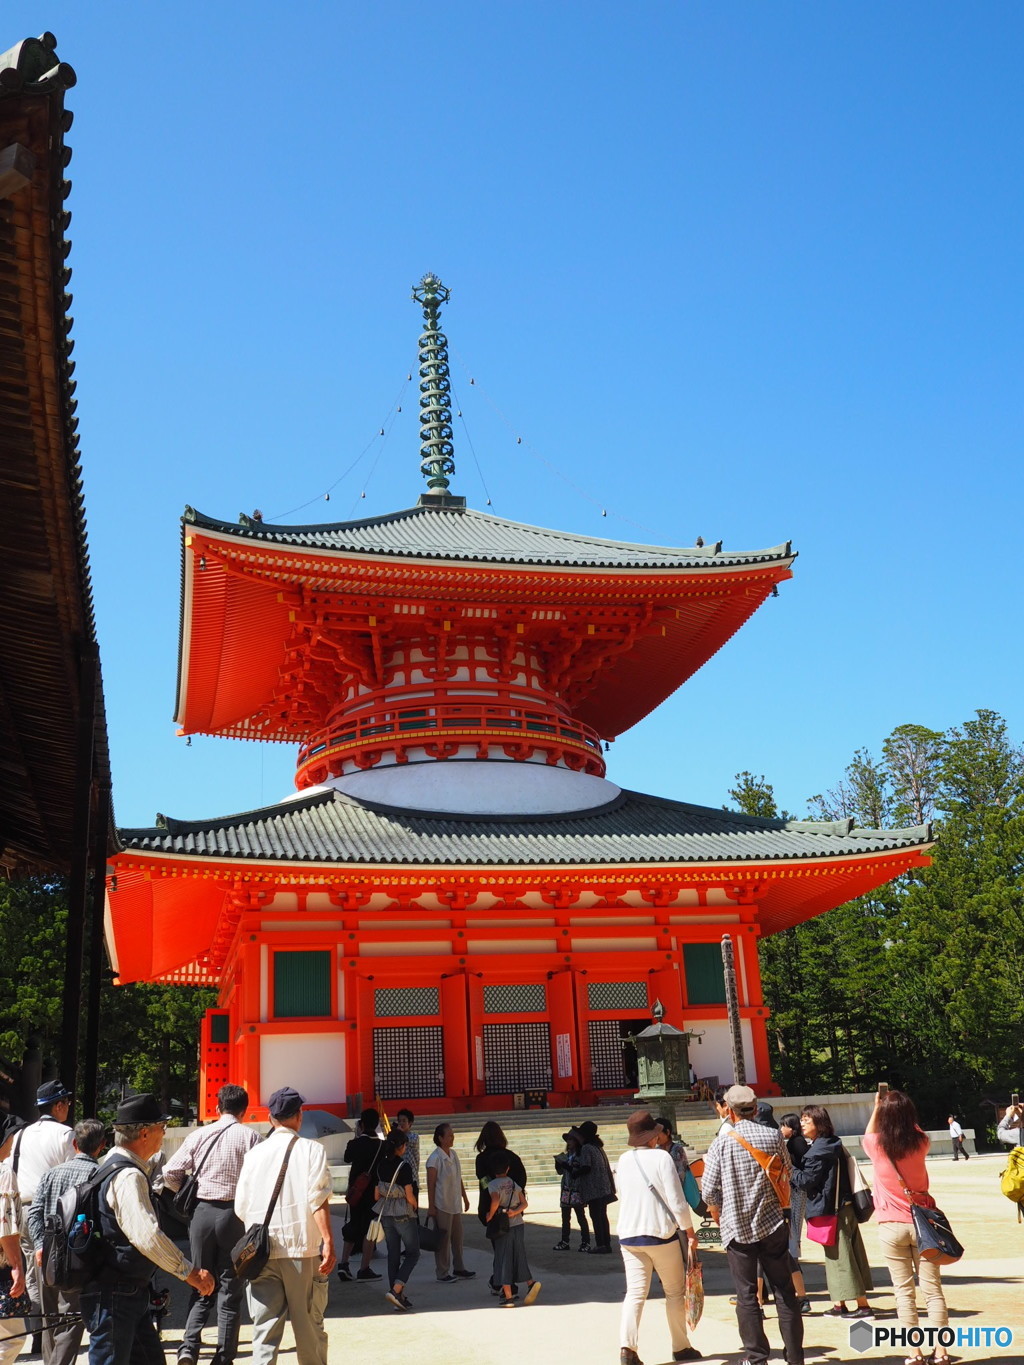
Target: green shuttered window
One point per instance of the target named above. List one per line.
(302, 985)
(705, 978)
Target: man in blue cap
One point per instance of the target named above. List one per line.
(293, 1286)
(115, 1305)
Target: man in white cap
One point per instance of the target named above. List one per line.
(744, 1200)
(293, 1284)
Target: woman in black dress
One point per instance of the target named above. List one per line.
(363, 1154)
(492, 1143)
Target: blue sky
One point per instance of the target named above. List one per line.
(742, 271)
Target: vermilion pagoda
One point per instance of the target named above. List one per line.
(458, 905)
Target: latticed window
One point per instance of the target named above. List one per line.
(530, 998)
(517, 1057)
(617, 995)
(607, 1064)
(705, 975)
(408, 1063)
(302, 985)
(406, 1000)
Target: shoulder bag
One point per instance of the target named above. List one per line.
(823, 1228)
(251, 1252)
(774, 1167)
(935, 1240)
(499, 1226)
(185, 1200)
(375, 1232)
(357, 1188)
(863, 1199)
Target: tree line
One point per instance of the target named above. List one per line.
(920, 983)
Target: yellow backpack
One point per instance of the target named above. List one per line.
(1012, 1181)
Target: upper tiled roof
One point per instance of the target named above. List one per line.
(464, 534)
(329, 827)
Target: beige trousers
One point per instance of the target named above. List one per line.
(667, 1262)
(449, 1248)
(289, 1291)
(899, 1247)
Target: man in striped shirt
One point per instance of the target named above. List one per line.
(215, 1155)
(60, 1345)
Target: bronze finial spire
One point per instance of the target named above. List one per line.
(436, 449)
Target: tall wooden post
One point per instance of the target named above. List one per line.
(732, 1002)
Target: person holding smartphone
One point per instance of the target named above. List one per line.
(1011, 1125)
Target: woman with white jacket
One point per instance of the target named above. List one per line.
(652, 1212)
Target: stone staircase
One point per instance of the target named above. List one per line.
(536, 1136)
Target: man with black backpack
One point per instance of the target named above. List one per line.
(204, 1171)
(115, 1299)
(60, 1344)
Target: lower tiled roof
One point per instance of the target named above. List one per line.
(330, 827)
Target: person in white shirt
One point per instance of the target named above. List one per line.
(652, 1212)
(1011, 1126)
(11, 1329)
(447, 1200)
(37, 1148)
(293, 1286)
(214, 1155)
(957, 1134)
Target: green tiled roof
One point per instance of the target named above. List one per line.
(329, 827)
(460, 533)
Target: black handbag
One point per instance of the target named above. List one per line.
(11, 1307)
(250, 1254)
(430, 1235)
(184, 1201)
(935, 1240)
(499, 1225)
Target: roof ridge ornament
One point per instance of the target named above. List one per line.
(436, 449)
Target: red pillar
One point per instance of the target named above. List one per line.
(457, 1042)
(564, 1034)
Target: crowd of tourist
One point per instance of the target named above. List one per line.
(765, 1184)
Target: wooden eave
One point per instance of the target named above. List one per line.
(172, 916)
(46, 613)
(242, 602)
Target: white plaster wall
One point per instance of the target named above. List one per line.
(712, 1056)
(312, 1063)
(483, 787)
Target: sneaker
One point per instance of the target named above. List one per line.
(860, 1313)
(836, 1311)
(532, 1292)
(563, 1245)
(584, 1246)
(406, 1301)
(345, 1271)
(513, 1302)
(805, 1306)
(446, 1279)
(395, 1300)
(368, 1274)
(465, 1274)
(687, 1353)
(495, 1291)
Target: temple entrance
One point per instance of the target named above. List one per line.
(613, 1066)
(517, 1057)
(408, 1063)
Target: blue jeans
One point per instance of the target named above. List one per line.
(399, 1233)
(121, 1331)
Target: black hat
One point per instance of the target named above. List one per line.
(140, 1109)
(285, 1103)
(574, 1134)
(588, 1130)
(51, 1092)
(9, 1125)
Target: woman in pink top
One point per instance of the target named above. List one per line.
(897, 1148)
